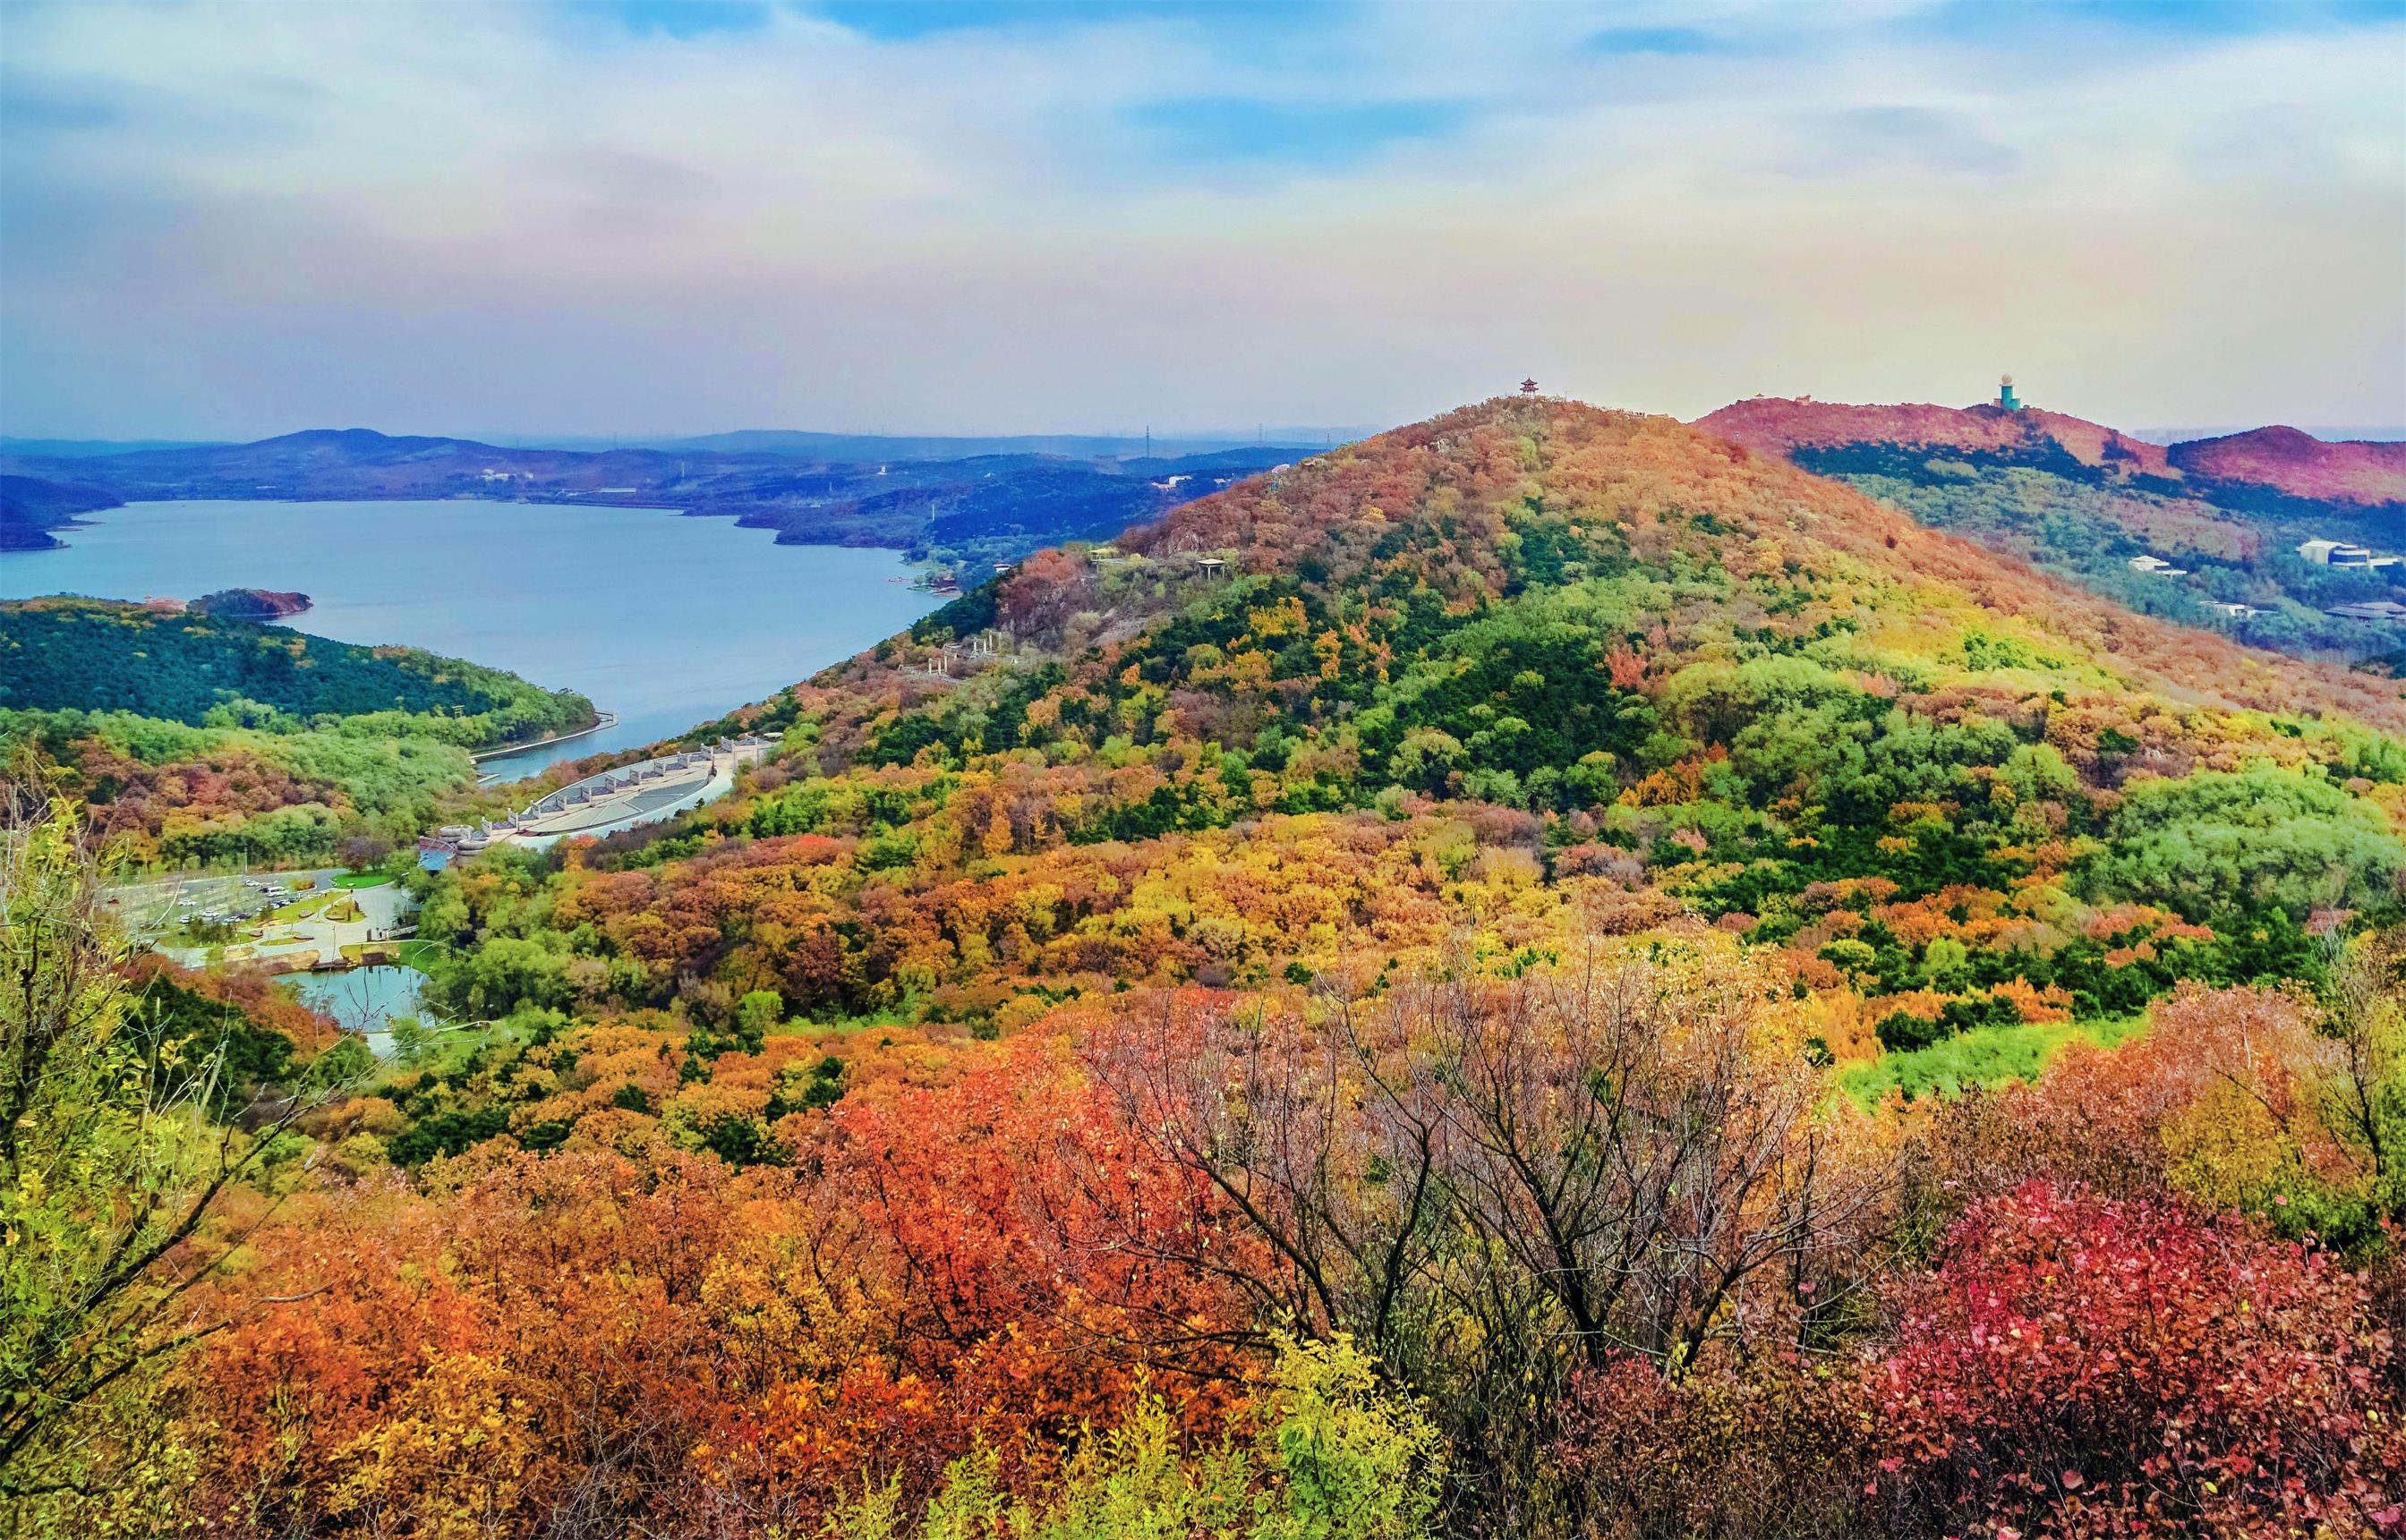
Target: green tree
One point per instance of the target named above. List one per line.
(1333, 1456)
(108, 1164)
(2264, 837)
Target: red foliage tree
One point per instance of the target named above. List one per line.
(2079, 1365)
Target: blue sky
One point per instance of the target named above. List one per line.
(653, 217)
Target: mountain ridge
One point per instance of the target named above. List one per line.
(2216, 533)
(2284, 459)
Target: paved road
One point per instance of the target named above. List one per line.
(380, 909)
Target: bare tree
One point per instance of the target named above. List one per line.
(1494, 1182)
(1625, 1134)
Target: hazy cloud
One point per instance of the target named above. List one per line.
(651, 218)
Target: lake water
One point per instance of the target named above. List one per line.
(365, 999)
(666, 621)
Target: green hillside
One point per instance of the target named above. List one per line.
(94, 655)
(199, 738)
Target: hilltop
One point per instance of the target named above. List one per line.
(2299, 465)
(1456, 505)
(2283, 461)
(2023, 436)
(2207, 532)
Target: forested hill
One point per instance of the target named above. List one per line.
(194, 738)
(1499, 504)
(2206, 532)
(94, 654)
(1444, 970)
(1605, 643)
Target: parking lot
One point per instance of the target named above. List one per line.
(292, 919)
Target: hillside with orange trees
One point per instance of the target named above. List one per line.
(1774, 425)
(1610, 641)
(2299, 465)
(2206, 532)
(1544, 973)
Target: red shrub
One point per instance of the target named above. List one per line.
(2079, 1366)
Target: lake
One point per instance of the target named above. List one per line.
(665, 620)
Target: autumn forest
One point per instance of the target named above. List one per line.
(1541, 974)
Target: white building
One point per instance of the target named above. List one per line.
(2338, 553)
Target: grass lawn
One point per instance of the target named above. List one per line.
(361, 879)
(904, 1012)
(419, 955)
(1986, 1055)
(451, 1052)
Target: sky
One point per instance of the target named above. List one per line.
(649, 218)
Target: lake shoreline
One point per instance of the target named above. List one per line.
(602, 720)
(673, 618)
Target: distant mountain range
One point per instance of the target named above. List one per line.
(975, 506)
(887, 448)
(796, 444)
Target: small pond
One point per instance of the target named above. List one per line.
(365, 999)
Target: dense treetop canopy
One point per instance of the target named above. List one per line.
(1542, 974)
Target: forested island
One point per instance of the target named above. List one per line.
(261, 604)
